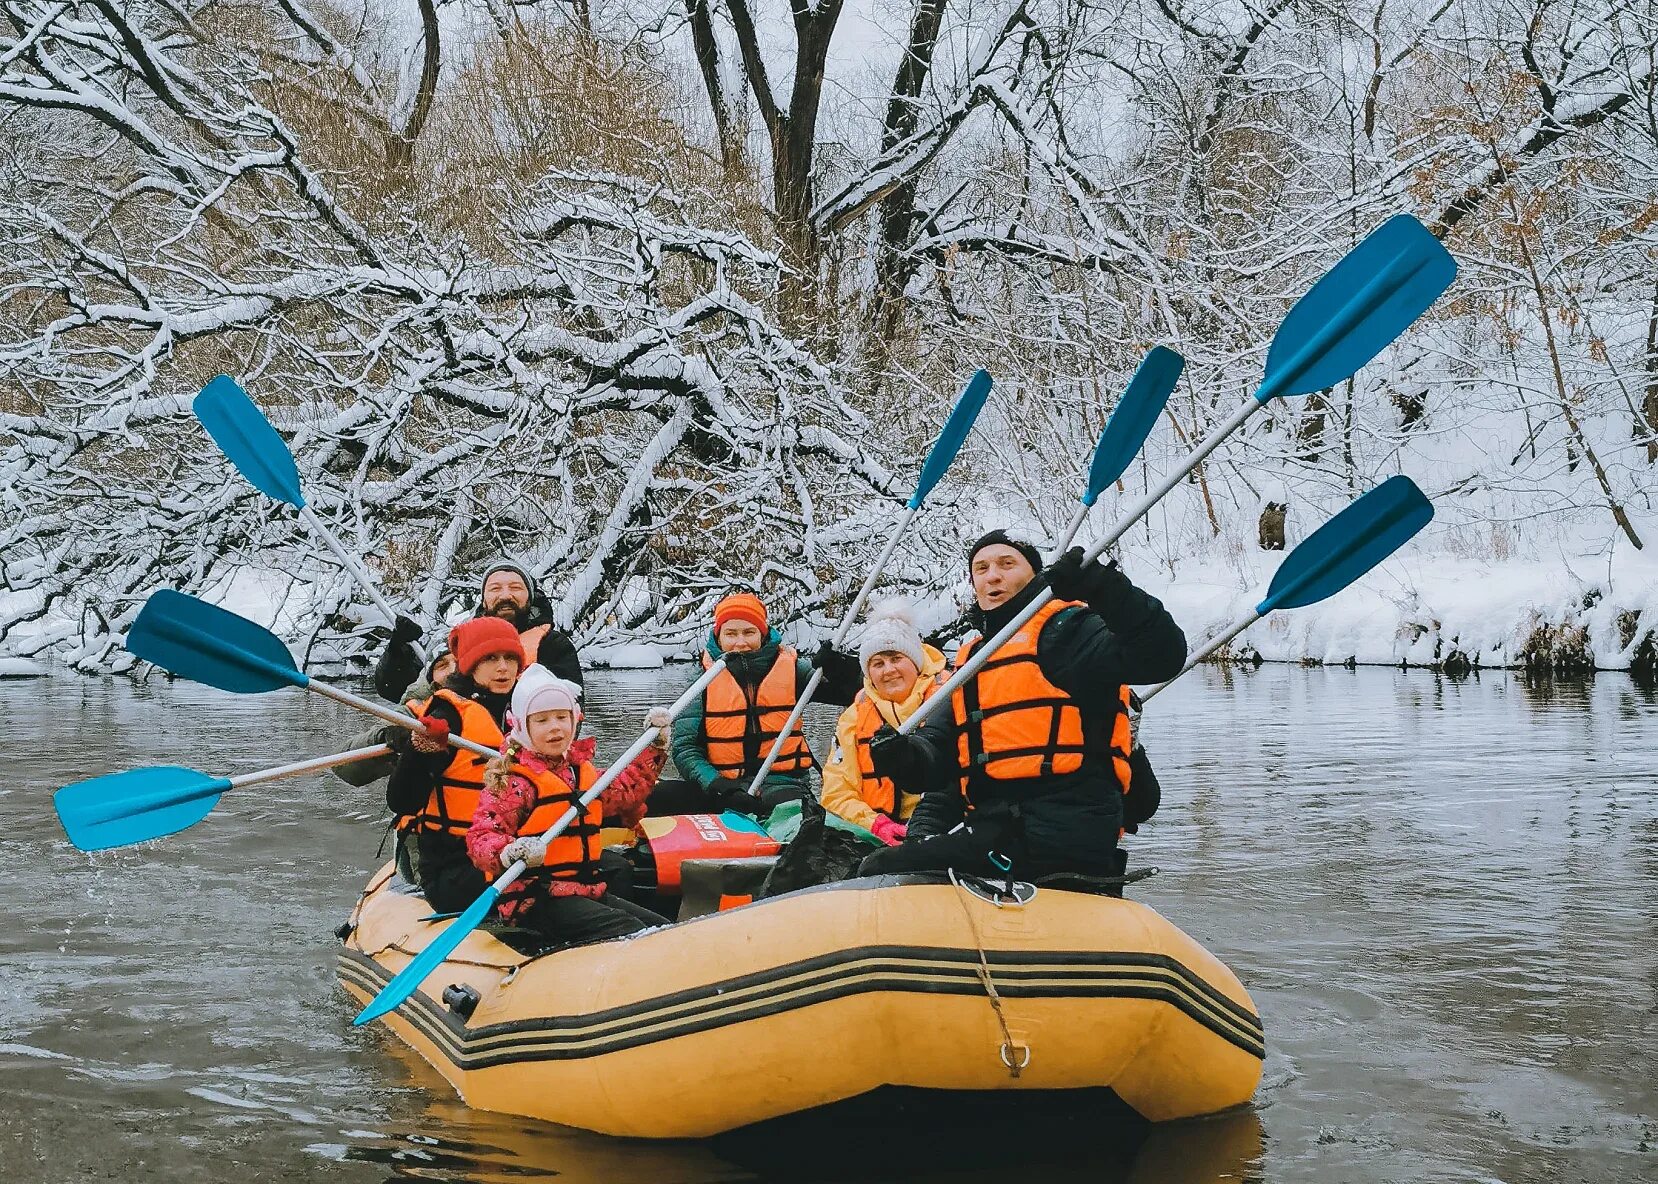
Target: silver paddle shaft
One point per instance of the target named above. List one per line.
(391, 717)
(615, 771)
(1071, 528)
(983, 653)
(309, 517)
(315, 765)
(837, 641)
(1209, 647)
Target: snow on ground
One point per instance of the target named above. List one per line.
(1419, 610)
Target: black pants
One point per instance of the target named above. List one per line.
(447, 876)
(576, 920)
(999, 847)
(965, 850)
(672, 796)
(616, 870)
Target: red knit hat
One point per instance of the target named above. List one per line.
(740, 606)
(473, 641)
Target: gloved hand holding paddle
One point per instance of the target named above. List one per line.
(1101, 586)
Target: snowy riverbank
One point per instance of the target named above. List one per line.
(1437, 611)
(1416, 610)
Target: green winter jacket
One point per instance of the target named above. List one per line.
(690, 748)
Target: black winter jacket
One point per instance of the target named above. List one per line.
(444, 863)
(399, 667)
(1065, 821)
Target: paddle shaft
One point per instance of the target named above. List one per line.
(1071, 528)
(837, 641)
(407, 980)
(309, 517)
(315, 765)
(982, 653)
(390, 716)
(1209, 647)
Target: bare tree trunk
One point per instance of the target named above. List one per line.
(1649, 405)
(792, 129)
(400, 145)
(1562, 395)
(708, 63)
(898, 214)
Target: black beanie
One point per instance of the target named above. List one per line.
(1028, 550)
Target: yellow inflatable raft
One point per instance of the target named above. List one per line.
(804, 1000)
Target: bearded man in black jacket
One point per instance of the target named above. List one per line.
(507, 591)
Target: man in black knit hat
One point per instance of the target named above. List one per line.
(507, 591)
(1024, 773)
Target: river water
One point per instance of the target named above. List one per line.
(1441, 894)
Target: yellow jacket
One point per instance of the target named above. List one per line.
(842, 780)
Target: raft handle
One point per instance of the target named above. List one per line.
(461, 999)
(1007, 1047)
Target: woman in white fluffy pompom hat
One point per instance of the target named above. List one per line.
(900, 672)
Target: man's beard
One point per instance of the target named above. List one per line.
(509, 610)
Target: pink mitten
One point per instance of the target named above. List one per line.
(889, 832)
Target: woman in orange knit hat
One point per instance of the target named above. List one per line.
(720, 741)
(433, 789)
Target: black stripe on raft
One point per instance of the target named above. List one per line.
(819, 980)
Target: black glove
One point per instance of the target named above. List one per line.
(398, 667)
(405, 630)
(1099, 585)
(733, 795)
(898, 758)
(838, 669)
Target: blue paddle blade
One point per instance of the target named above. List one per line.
(429, 959)
(954, 433)
(1348, 545)
(1374, 294)
(211, 645)
(135, 806)
(244, 435)
(1133, 418)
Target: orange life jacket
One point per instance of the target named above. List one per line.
(454, 800)
(574, 853)
(879, 792)
(530, 639)
(1013, 724)
(726, 724)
